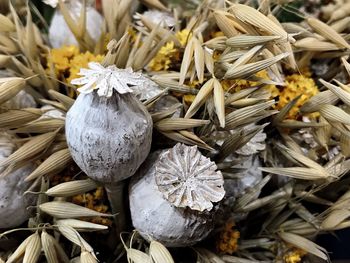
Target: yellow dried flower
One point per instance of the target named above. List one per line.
(68, 60)
(163, 59)
(228, 239)
(294, 256)
(96, 201)
(233, 86)
(183, 36)
(60, 58)
(81, 61)
(296, 85)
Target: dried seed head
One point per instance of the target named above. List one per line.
(160, 253)
(72, 188)
(33, 249)
(61, 209)
(188, 179)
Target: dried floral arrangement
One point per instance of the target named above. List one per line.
(197, 131)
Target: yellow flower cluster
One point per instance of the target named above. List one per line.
(237, 85)
(68, 60)
(168, 54)
(296, 85)
(228, 239)
(294, 256)
(94, 201)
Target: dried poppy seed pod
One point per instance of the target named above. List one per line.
(13, 204)
(109, 132)
(189, 181)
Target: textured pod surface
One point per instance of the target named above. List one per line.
(188, 179)
(248, 178)
(59, 32)
(108, 138)
(13, 205)
(156, 218)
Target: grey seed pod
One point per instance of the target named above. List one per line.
(188, 179)
(158, 219)
(13, 204)
(108, 138)
(249, 176)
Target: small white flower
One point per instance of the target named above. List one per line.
(105, 80)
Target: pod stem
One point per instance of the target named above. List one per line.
(115, 194)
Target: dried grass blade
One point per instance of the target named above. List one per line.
(33, 249)
(209, 62)
(200, 98)
(72, 188)
(72, 235)
(334, 114)
(240, 94)
(14, 118)
(49, 247)
(225, 24)
(66, 101)
(243, 41)
(87, 257)
(159, 253)
(41, 126)
(335, 218)
(31, 45)
(245, 71)
(198, 59)
(296, 172)
(140, 54)
(6, 24)
(186, 60)
(341, 25)
(173, 124)
(239, 116)
(284, 111)
(346, 65)
(327, 32)
(313, 44)
(343, 95)
(247, 56)
(252, 16)
(10, 87)
(80, 225)
(188, 138)
(299, 157)
(304, 244)
(19, 252)
(345, 144)
(137, 256)
(62, 210)
(219, 102)
(30, 149)
(163, 114)
(314, 104)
